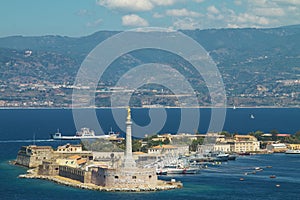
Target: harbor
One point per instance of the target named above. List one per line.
(255, 175)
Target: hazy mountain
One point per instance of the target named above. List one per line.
(251, 61)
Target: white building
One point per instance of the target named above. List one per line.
(280, 147)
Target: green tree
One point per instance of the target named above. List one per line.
(258, 134)
(166, 141)
(136, 145)
(226, 134)
(195, 143)
(297, 135)
(274, 134)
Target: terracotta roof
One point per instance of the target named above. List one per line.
(40, 147)
(243, 136)
(283, 135)
(75, 157)
(164, 146)
(81, 161)
(138, 153)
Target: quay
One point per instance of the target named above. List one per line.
(161, 185)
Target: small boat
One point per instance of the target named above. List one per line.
(161, 172)
(252, 116)
(84, 133)
(216, 156)
(232, 157)
(244, 153)
(272, 176)
(173, 169)
(291, 151)
(222, 157)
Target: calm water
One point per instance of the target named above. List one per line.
(20, 124)
(222, 182)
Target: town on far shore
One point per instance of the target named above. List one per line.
(132, 164)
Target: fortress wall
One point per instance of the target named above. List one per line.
(48, 169)
(72, 173)
(124, 177)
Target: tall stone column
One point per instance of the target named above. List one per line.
(128, 159)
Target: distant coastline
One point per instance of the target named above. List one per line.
(167, 107)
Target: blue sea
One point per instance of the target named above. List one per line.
(32, 126)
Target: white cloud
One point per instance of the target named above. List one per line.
(82, 12)
(215, 17)
(259, 3)
(157, 15)
(134, 5)
(182, 13)
(238, 2)
(221, 14)
(186, 24)
(269, 11)
(163, 2)
(134, 20)
(291, 2)
(214, 14)
(130, 5)
(246, 18)
(292, 8)
(199, 1)
(94, 23)
(213, 10)
(233, 26)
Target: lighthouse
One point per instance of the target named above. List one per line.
(128, 159)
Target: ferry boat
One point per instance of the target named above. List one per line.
(291, 151)
(84, 133)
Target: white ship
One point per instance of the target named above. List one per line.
(290, 151)
(84, 133)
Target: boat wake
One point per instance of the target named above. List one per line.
(25, 141)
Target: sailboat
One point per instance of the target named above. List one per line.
(252, 116)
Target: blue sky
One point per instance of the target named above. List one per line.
(84, 17)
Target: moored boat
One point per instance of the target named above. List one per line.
(173, 169)
(232, 157)
(161, 171)
(222, 157)
(292, 151)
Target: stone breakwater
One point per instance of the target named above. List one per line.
(161, 185)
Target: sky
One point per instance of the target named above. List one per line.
(77, 18)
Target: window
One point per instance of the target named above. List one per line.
(150, 176)
(116, 177)
(133, 177)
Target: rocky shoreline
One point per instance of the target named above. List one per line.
(162, 185)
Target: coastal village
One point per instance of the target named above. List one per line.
(138, 170)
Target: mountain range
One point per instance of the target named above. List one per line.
(259, 67)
